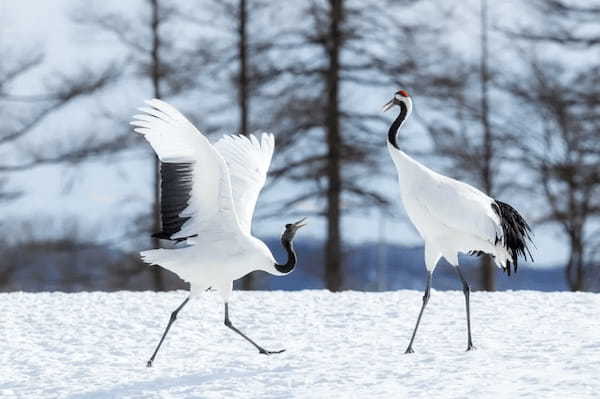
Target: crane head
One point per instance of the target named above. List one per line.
(291, 228)
(401, 96)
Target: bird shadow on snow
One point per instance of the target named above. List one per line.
(194, 380)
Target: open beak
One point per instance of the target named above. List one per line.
(300, 223)
(388, 105)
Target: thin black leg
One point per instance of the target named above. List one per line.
(260, 348)
(425, 300)
(171, 320)
(466, 291)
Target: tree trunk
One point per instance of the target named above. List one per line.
(574, 270)
(487, 266)
(243, 72)
(243, 95)
(333, 248)
(158, 278)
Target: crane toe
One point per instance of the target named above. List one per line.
(266, 352)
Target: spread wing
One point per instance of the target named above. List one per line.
(195, 184)
(248, 160)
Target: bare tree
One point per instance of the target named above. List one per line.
(154, 56)
(565, 155)
(238, 64)
(323, 65)
(24, 114)
(333, 248)
(487, 175)
(563, 151)
(565, 23)
(313, 104)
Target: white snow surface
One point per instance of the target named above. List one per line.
(343, 345)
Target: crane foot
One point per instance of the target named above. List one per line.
(266, 352)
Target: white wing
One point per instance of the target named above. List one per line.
(195, 182)
(248, 161)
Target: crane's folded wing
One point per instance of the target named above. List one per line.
(461, 207)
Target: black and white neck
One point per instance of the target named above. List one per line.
(291, 254)
(398, 122)
(286, 241)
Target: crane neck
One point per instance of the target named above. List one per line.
(291, 260)
(405, 165)
(393, 132)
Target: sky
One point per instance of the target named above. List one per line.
(104, 195)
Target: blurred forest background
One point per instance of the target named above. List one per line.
(507, 98)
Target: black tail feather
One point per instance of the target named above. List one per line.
(516, 234)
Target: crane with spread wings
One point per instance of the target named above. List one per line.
(208, 196)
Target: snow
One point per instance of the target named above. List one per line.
(349, 345)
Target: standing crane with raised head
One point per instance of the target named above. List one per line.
(208, 196)
(452, 216)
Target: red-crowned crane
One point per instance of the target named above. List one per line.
(452, 216)
(208, 195)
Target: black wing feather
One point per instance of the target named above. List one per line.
(175, 192)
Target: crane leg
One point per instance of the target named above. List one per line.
(171, 320)
(425, 300)
(466, 291)
(261, 350)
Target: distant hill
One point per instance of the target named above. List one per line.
(402, 268)
(70, 267)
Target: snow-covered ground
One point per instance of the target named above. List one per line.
(346, 345)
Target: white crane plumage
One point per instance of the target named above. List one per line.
(208, 196)
(453, 217)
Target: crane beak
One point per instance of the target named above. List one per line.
(388, 105)
(300, 223)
